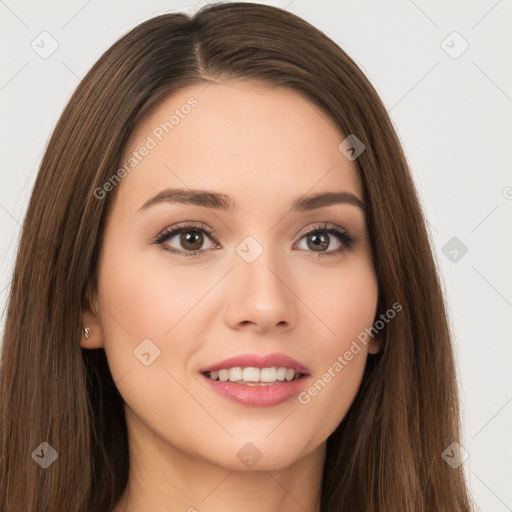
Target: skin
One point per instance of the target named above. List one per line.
(264, 147)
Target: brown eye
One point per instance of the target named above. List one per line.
(186, 240)
(191, 240)
(319, 239)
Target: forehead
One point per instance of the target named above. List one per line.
(250, 141)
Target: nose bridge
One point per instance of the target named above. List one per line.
(261, 294)
(258, 266)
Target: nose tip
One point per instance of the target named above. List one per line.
(260, 298)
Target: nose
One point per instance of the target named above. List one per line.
(260, 295)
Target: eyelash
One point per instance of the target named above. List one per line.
(343, 236)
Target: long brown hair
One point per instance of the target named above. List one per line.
(386, 453)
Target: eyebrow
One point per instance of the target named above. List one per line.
(224, 202)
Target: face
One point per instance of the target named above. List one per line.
(187, 283)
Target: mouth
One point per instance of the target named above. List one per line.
(257, 380)
(253, 376)
(251, 386)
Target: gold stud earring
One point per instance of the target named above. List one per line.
(86, 333)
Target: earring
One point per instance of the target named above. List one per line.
(86, 333)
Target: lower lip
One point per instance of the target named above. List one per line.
(257, 396)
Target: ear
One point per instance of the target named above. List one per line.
(375, 345)
(91, 320)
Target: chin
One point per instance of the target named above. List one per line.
(260, 454)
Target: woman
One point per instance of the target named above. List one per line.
(224, 296)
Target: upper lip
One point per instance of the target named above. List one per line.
(275, 359)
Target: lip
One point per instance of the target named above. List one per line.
(276, 359)
(262, 395)
(257, 396)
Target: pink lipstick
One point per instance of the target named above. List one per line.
(257, 380)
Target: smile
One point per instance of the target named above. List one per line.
(252, 376)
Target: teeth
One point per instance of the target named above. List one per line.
(235, 374)
(268, 374)
(281, 373)
(252, 374)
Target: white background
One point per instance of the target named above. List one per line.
(453, 116)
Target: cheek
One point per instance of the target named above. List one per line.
(343, 300)
(346, 305)
(143, 298)
(147, 295)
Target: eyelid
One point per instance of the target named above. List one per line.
(182, 226)
(345, 238)
(340, 233)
